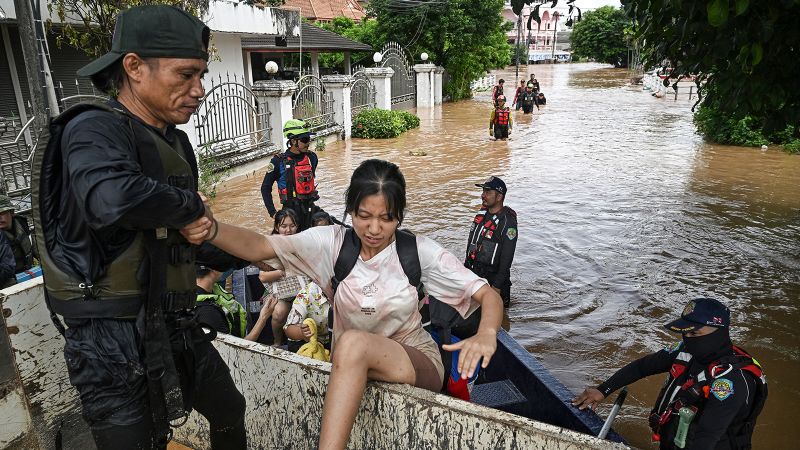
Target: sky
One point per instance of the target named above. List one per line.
(594, 4)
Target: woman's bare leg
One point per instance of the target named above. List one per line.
(358, 356)
(279, 316)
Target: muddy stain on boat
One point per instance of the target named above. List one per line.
(624, 214)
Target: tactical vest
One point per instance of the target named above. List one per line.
(235, 315)
(682, 389)
(21, 244)
(118, 292)
(501, 116)
(482, 249)
(299, 177)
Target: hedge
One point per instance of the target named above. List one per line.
(376, 123)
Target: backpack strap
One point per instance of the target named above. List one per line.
(409, 259)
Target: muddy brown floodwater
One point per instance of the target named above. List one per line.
(624, 215)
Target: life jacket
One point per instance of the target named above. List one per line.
(234, 313)
(484, 241)
(20, 239)
(501, 116)
(118, 292)
(436, 315)
(299, 180)
(682, 389)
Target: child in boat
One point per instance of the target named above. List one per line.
(377, 326)
(500, 122)
(286, 224)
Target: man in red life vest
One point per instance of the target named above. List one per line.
(294, 172)
(714, 390)
(500, 122)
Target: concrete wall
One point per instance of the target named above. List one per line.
(284, 399)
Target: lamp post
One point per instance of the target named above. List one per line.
(555, 36)
(423, 56)
(377, 58)
(272, 68)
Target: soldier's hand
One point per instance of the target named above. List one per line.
(196, 232)
(590, 397)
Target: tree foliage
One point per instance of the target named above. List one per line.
(466, 37)
(746, 54)
(600, 36)
(365, 32)
(96, 19)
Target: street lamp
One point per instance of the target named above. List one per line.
(272, 68)
(377, 58)
(423, 56)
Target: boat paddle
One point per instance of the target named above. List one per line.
(613, 414)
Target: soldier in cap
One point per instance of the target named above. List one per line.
(17, 234)
(493, 238)
(115, 184)
(714, 390)
(294, 172)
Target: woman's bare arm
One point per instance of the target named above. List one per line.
(237, 241)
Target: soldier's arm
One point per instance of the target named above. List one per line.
(727, 396)
(508, 245)
(7, 263)
(266, 187)
(109, 185)
(651, 364)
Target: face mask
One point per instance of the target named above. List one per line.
(704, 348)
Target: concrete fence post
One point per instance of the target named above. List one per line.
(276, 96)
(381, 78)
(437, 85)
(339, 87)
(425, 84)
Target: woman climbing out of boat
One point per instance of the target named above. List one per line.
(378, 333)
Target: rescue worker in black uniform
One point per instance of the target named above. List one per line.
(17, 233)
(493, 239)
(111, 191)
(7, 273)
(714, 390)
(294, 172)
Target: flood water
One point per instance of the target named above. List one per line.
(624, 215)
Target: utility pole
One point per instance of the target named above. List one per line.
(516, 51)
(42, 93)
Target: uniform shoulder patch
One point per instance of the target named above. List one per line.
(674, 347)
(511, 233)
(270, 167)
(722, 388)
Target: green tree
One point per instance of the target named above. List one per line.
(600, 36)
(466, 37)
(746, 56)
(365, 32)
(98, 17)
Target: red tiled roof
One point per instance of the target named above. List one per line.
(327, 9)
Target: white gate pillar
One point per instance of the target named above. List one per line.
(276, 96)
(425, 97)
(437, 85)
(339, 87)
(381, 78)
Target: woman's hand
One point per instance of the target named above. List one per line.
(590, 397)
(482, 345)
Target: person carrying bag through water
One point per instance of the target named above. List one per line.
(294, 172)
(714, 390)
(109, 193)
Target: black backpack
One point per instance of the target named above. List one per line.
(436, 315)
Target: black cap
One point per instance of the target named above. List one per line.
(701, 312)
(153, 31)
(495, 184)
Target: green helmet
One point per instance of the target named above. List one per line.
(294, 127)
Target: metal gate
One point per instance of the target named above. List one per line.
(232, 125)
(404, 86)
(314, 105)
(362, 93)
(17, 140)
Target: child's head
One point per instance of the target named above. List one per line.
(286, 222)
(321, 219)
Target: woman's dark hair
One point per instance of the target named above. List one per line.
(283, 214)
(320, 216)
(375, 176)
